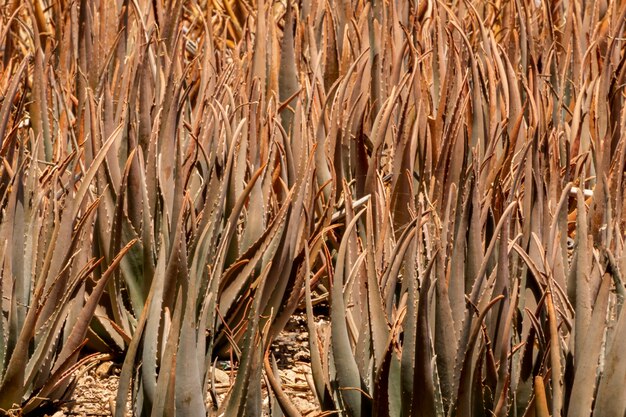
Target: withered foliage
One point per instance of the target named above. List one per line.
(177, 178)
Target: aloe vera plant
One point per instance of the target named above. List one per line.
(179, 181)
(454, 293)
(51, 281)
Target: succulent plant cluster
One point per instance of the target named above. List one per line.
(178, 177)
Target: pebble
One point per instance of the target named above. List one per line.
(104, 369)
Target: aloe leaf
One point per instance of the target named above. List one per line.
(260, 52)
(259, 249)
(391, 276)
(423, 379)
(9, 96)
(189, 386)
(39, 117)
(78, 332)
(3, 321)
(256, 223)
(319, 378)
(465, 386)
(348, 374)
(229, 229)
(135, 344)
(581, 285)
(386, 400)
(165, 396)
(379, 326)
(585, 372)
(131, 265)
(237, 400)
(151, 321)
(541, 404)
(395, 388)
(610, 400)
(285, 296)
(19, 372)
(288, 79)
(41, 362)
(57, 384)
(478, 284)
(445, 340)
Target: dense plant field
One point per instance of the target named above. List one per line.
(178, 178)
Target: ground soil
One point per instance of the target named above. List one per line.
(97, 386)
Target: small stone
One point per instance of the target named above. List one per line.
(104, 369)
(221, 377)
(290, 376)
(302, 356)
